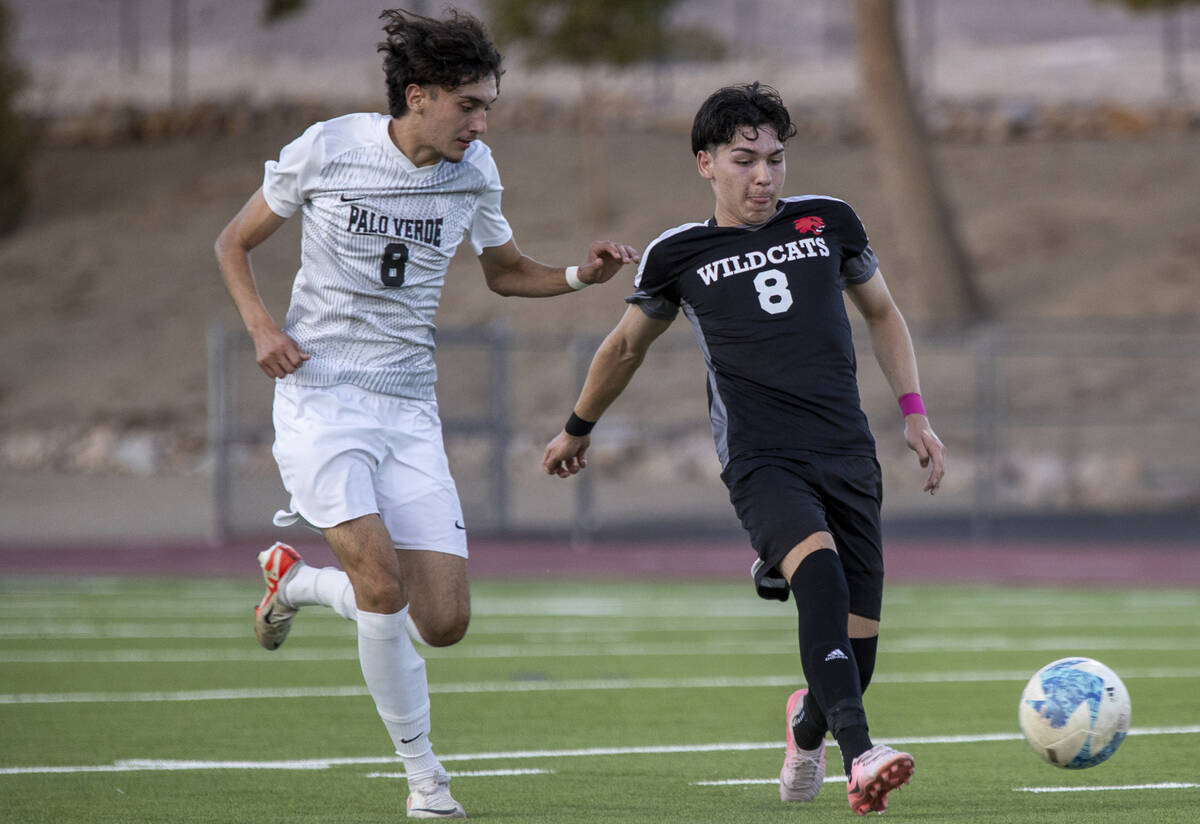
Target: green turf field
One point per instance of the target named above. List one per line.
(149, 701)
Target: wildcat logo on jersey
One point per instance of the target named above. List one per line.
(811, 225)
(367, 222)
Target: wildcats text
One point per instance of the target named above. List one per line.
(792, 250)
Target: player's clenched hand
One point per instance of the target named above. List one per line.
(921, 439)
(605, 259)
(565, 455)
(277, 354)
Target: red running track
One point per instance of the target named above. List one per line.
(1040, 564)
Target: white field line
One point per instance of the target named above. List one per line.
(489, 687)
(589, 629)
(170, 765)
(1168, 785)
(1020, 675)
(113, 630)
(178, 656)
(138, 621)
(468, 773)
(349, 652)
(699, 618)
(102, 593)
(999, 643)
(841, 779)
(739, 782)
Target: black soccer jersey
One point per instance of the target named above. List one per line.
(766, 305)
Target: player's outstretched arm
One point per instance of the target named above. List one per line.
(511, 273)
(613, 366)
(893, 349)
(276, 353)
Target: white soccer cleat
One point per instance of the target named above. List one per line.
(430, 798)
(803, 771)
(273, 617)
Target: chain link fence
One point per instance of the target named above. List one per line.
(1092, 420)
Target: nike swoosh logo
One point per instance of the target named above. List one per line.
(460, 525)
(348, 199)
(410, 740)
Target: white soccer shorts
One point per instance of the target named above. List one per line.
(344, 452)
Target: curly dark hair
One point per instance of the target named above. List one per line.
(735, 107)
(448, 53)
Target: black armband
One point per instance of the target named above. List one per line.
(577, 426)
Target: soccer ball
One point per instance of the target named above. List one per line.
(1074, 713)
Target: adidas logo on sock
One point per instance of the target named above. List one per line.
(837, 654)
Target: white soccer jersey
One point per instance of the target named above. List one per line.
(378, 235)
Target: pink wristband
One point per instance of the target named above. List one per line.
(911, 404)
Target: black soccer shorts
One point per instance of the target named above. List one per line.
(783, 500)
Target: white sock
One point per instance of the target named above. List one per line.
(413, 632)
(325, 587)
(424, 766)
(395, 676)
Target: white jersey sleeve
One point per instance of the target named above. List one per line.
(489, 227)
(288, 180)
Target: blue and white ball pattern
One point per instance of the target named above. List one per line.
(1074, 713)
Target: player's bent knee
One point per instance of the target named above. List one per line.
(443, 631)
(860, 627)
(382, 596)
(814, 542)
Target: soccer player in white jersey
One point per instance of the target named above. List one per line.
(385, 201)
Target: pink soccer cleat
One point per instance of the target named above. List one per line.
(873, 775)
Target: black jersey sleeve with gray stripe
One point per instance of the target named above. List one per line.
(858, 258)
(656, 289)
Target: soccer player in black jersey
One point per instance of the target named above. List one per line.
(762, 283)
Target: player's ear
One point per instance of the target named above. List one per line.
(415, 96)
(704, 164)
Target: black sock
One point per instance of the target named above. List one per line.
(864, 656)
(827, 655)
(811, 726)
